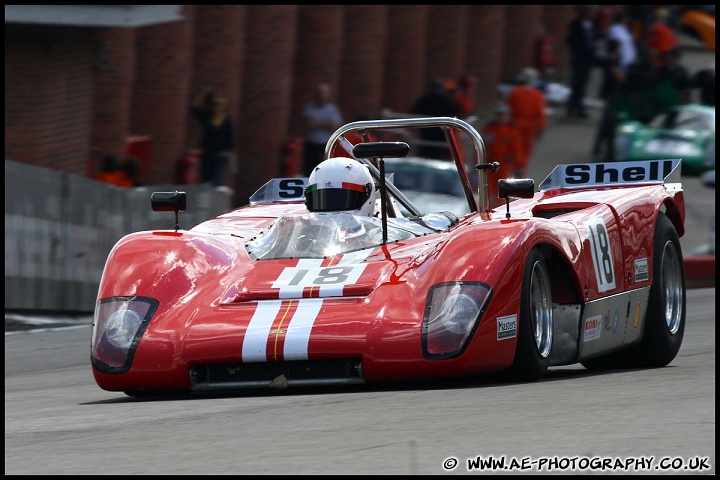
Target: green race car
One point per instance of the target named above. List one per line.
(684, 131)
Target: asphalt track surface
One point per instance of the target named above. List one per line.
(58, 421)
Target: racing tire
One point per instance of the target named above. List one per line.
(665, 317)
(535, 332)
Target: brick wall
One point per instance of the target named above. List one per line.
(114, 51)
(363, 61)
(267, 87)
(485, 52)
(80, 92)
(49, 101)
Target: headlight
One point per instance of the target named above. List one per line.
(118, 325)
(452, 313)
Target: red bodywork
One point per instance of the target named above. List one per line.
(209, 289)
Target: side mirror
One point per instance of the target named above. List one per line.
(515, 187)
(169, 202)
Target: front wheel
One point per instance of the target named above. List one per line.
(535, 332)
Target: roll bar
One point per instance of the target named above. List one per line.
(448, 125)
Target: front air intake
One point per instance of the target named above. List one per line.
(234, 376)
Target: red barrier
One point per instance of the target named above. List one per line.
(700, 271)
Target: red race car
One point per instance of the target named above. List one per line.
(340, 279)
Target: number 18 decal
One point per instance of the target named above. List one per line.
(602, 255)
(330, 280)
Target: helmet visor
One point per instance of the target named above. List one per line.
(350, 197)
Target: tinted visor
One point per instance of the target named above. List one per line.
(336, 199)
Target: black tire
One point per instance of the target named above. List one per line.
(665, 316)
(535, 329)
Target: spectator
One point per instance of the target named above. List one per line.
(503, 144)
(527, 108)
(641, 79)
(320, 119)
(602, 19)
(131, 167)
(610, 91)
(436, 102)
(217, 136)
(544, 55)
(672, 70)
(620, 31)
(660, 37)
(704, 80)
(641, 16)
(641, 75)
(112, 172)
(580, 40)
(464, 96)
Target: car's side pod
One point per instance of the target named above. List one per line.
(515, 187)
(169, 202)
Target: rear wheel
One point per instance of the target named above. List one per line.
(665, 319)
(535, 332)
(665, 316)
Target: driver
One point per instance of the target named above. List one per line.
(341, 184)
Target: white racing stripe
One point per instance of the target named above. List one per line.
(254, 348)
(298, 331)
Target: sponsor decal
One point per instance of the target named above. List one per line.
(606, 321)
(287, 188)
(506, 327)
(615, 322)
(636, 321)
(592, 328)
(641, 270)
(620, 172)
(603, 174)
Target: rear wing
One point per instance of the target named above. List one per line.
(588, 175)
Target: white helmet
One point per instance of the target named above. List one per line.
(340, 184)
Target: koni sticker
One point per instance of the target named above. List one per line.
(592, 328)
(506, 327)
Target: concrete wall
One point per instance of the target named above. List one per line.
(60, 228)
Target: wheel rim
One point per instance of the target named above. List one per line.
(541, 309)
(672, 284)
